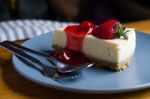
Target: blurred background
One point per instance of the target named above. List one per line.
(96, 11)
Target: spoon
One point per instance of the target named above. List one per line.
(61, 67)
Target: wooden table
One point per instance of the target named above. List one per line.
(14, 86)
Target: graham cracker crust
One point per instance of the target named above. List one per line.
(110, 65)
(105, 64)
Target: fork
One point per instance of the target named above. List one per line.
(46, 70)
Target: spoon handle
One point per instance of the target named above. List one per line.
(51, 59)
(24, 48)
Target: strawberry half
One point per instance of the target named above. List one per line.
(109, 30)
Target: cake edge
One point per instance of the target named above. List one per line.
(104, 64)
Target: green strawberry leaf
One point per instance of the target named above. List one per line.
(121, 32)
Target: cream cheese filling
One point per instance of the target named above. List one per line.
(115, 50)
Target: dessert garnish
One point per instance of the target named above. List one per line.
(76, 35)
(110, 30)
(68, 56)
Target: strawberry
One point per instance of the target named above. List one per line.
(83, 28)
(86, 25)
(109, 30)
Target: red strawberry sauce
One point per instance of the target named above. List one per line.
(70, 57)
(75, 37)
(72, 54)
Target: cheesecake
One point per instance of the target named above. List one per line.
(108, 45)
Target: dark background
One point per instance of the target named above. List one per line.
(96, 11)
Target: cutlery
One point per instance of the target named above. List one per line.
(61, 67)
(45, 69)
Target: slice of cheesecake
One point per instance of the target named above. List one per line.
(115, 53)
